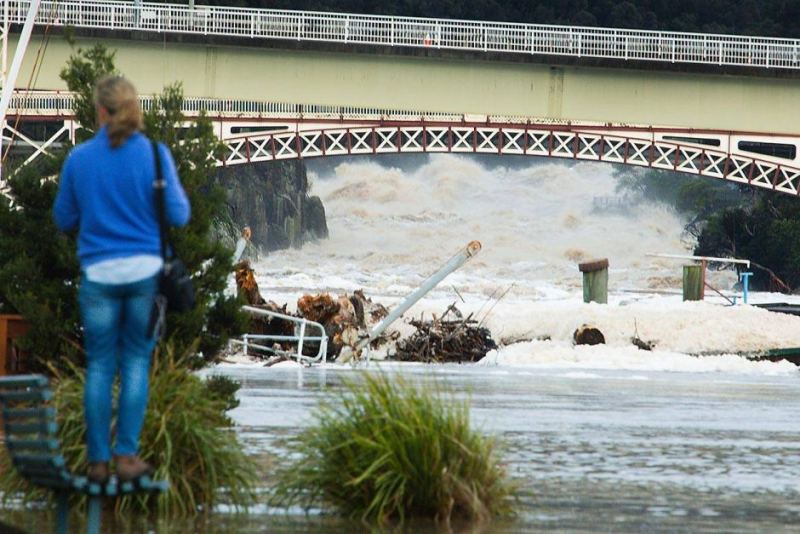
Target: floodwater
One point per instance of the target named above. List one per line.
(593, 451)
(614, 451)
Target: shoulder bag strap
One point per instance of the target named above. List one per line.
(159, 185)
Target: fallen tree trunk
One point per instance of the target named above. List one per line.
(246, 285)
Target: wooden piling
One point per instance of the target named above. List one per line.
(693, 282)
(11, 328)
(595, 280)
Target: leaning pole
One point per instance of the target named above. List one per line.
(465, 254)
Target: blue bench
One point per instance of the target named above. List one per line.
(32, 443)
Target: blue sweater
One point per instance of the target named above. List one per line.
(107, 193)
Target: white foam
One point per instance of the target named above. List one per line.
(390, 230)
(547, 354)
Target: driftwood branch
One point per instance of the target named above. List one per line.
(441, 340)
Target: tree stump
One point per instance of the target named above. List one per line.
(588, 335)
(595, 280)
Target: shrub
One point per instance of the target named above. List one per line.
(388, 451)
(224, 388)
(186, 435)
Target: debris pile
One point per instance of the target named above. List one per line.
(346, 318)
(640, 343)
(449, 338)
(272, 326)
(247, 287)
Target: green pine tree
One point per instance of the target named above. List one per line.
(39, 271)
(215, 317)
(39, 267)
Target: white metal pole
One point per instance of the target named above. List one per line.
(3, 74)
(6, 29)
(700, 258)
(11, 80)
(452, 264)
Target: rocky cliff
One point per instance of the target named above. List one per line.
(272, 198)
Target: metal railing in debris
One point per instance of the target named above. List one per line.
(300, 338)
(533, 39)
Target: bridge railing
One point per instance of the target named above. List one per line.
(59, 103)
(535, 39)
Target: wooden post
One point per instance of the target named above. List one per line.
(3, 344)
(693, 282)
(595, 280)
(11, 327)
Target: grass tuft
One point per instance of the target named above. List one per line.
(387, 452)
(186, 435)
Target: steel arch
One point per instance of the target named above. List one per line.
(538, 140)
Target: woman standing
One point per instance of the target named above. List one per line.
(106, 192)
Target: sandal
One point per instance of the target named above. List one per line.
(98, 472)
(130, 468)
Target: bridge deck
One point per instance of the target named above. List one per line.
(447, 85)
(477, 36)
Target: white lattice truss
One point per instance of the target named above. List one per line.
(548, 142)
(635, 147)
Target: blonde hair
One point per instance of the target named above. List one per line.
(118, 96)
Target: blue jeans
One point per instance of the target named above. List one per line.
(115, 330)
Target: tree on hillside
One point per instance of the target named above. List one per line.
(697, 197)
(39, 271)
(767, 233)
(729, 220)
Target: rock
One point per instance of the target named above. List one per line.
(588, 335)
(314, 219)
(272, 198)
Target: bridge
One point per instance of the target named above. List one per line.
(322, 84)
